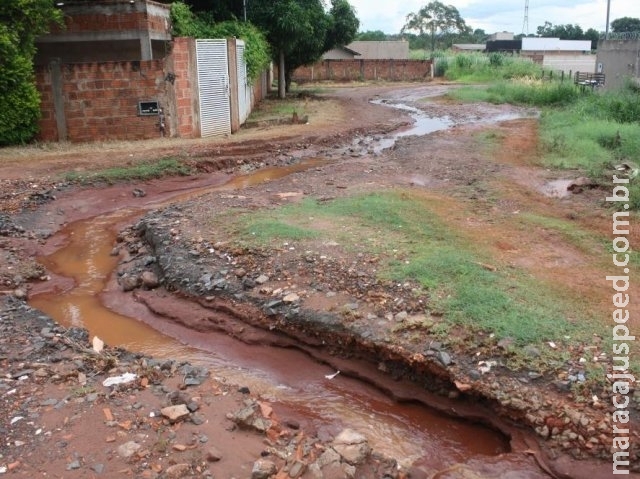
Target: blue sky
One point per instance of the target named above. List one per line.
(498, 15)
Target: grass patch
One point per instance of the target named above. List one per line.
(141, 171)
(298, 100)
(526, 91)
(570, 231)
(507, 302)
(481, 68)
(590, 131)
(266, 230)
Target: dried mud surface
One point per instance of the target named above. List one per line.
(474, 190)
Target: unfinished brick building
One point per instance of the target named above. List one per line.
(114, 72)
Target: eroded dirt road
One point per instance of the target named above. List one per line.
(479, 190)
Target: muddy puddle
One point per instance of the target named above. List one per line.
(425, 123)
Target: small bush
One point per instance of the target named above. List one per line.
(479, 67)
(441, 67)
(496, 59)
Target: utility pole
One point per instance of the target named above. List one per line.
(525, 23)
(244, 10)
(606, 34)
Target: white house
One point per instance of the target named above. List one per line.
(556, 54)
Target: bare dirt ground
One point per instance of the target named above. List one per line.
(480, 193)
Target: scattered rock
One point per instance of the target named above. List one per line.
(175, 413)
(129, 283)
(178, 471)
(128, 449)
(213, 454)
(352, 446)
(291, 298)
(263, 469)
(149, 280)
(444, 358)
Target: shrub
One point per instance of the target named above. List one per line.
(21, 21)
(496, 59)
(187, 24)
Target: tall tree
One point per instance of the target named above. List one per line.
(625, 24)
(593, 35)
(343, 25)
(563, 32)
(300, 31)
(371, 36)
(437, 19)
(21, 21)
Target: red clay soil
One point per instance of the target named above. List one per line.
(479, 192)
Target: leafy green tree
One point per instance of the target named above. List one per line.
(21, 22)
(343, 25)
(202, 25)
(372, 36)
(593, 35)
(625, 24)
(220, 10)
(436, 19)
(563, 32)
(300, 31)
(568, 32)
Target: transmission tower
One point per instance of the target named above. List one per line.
(525, 23)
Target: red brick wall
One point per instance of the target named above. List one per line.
(185, 87)
(358, 70)
(105, 16)
(101, 100)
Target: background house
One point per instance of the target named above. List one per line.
(366, 60)
(341, 53)
(370, 50)
(560, 55)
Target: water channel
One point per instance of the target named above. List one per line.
(409, 432)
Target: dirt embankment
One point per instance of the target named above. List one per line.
(330, 296)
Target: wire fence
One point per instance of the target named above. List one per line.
(620, 36)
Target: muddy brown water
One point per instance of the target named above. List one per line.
(410, 432)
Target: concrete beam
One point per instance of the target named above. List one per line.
(103, 36)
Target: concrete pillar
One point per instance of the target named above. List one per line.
(146, 51)
(232, 54)
(58, 99)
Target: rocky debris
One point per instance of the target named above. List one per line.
(263, 469)
(128, 449)
(351, 446)
(175, 413)
(251, 417)
(366, 311)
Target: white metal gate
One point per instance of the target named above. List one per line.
(244, 88)
(213, 87)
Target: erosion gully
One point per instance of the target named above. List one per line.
(86, 295)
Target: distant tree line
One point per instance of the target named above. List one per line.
(439, 26)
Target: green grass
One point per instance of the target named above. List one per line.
(266, 230)
(570, 231)
(299, 100)
(481, 68)
(451, 270)
(523, 91)
(589, 131)
(141, 171)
